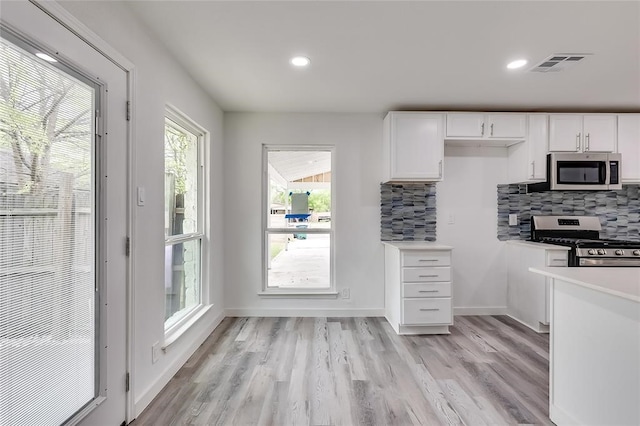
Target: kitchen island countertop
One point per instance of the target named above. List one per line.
(622, 282)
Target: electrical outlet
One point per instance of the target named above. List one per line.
(452, 219)
(155, 352)
(345, 293)
(513, 219)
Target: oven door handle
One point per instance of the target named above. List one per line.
(610, 261)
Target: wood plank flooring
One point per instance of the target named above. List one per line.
(357, 371)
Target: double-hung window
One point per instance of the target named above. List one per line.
(183, 212)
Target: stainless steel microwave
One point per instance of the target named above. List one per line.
(586, 171)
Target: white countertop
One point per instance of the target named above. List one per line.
(537, 245)
(622, 282)
(417, 245)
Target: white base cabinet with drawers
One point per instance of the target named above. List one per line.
(418, 296)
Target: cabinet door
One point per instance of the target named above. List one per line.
(599, 133)
(465, 126)
(565, 132)
(507, 126)
(417, 146)
(629, 146)
(538, 136)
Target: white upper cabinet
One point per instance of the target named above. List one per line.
(528, 161)
(629, 146)
(582, 133)
(486, 126)
(413, 146)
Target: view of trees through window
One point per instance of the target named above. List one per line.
(47, 240)
(183, 234)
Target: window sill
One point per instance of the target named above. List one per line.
(181, 328)
(293, 294)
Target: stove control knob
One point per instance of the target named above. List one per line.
(619, 252)
(636, 252)
(602, 251)
(592, 251)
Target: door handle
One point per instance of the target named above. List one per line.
(533, 169)
(482, 129)
(429, 309)
(587, 139)
(440, 168)
(427, 291)
(578, 141)
(427, 276)
(491, 132)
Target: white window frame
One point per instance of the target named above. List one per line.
(176, 329)
(296, 292)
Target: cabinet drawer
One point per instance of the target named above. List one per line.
(557, 258)
(426, 274)
(426, 290)
(426, 311)
(426, 258)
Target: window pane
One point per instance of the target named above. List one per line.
(182, 279)
(298, 260)
(47, 241)
(181, 180)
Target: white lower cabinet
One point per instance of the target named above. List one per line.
(418, 295)
(528, 293)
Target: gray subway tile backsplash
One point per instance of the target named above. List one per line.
(408, 212)
(619, 211)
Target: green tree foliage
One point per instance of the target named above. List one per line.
(176, 145)
(41, 108)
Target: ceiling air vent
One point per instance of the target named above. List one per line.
(559, 62)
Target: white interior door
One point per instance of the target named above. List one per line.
(107, 405)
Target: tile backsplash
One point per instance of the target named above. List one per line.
(619, 211)
(408, 212)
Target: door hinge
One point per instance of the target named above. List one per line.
(98, 123)
(126, 383)
(127, 246)
(128, 110)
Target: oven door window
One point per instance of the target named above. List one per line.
(581, 172)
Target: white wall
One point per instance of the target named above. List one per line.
(468, 195)
(159, 80)
(468, 192)
(356, 215)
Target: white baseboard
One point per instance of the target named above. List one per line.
(344, 313)
(480, 310)
(154, 389)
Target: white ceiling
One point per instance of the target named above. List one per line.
(375, 56)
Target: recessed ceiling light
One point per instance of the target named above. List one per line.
(300, 61)
(45, 57)
(517, 64)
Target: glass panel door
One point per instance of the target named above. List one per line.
(48, 298)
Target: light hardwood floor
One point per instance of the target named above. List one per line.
(357, 371)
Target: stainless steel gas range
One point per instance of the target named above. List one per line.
(582, 235)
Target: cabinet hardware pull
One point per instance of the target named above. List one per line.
(578, 141)
(428, 291)
(429, 309)
(533, 169)
(440, 168)
(427, 260)
(482, 130)
(587, 140)
(427, 276)
(491, 129)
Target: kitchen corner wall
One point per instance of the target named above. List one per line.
(408, 212)
(619, 211)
